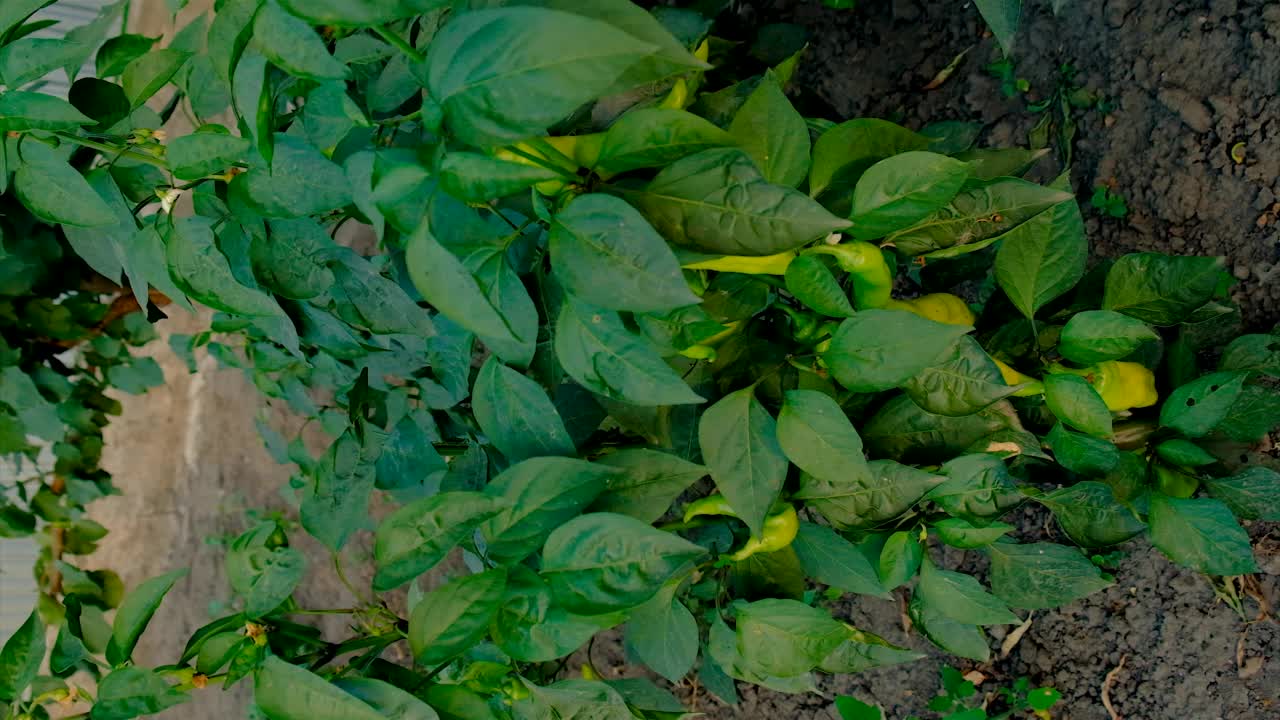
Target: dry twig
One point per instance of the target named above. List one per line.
(1107, 682)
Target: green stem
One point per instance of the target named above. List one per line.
(326, 611)
(400, 44)
(105, 148)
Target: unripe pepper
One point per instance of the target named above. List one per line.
(747, 264)
(938, 307)
(865, 263)
(1013, 377)
(1175, 483)
(780, 527)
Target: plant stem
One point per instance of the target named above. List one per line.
(400, 44)
(103, 147)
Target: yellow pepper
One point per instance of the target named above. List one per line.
(1013, 377)
(1122, 385)
(523, 153)
(748, 264)
(939, 307)
(780, 527)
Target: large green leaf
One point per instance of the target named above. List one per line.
(132, 692)
(652, 481)
(263, 573)
(415, 538)
(656, 137)
(21, 657)
(1196, 408)
(903, 431)
(881, 349)
(1043, 257)
(54, 192)
(978, 488)
(1002, 17)
(478, 178)
(391, 701)
(955, 637)
(532, 627)
(1096, 335)
(300, 181)
(1082, 454)
(862, 500)
(716, 201)
(358, 13)
(1260, 353)
(1202, 534)
(21, 111)
(664, 635)
(739, 441)
(904, 189)
(1042, 575)
(863, 651)
(843, 153)
(204, 153)
(288, 692)
(965, 535)
(816, 435)
(31, 58)
(1076, 403)
(516, 414)
(454, 617)
(336, 504)
(961, 597)
(832, 560)
(981, 212)
(106, 247)
(723, 650)
(134, 614)
(899, 559)
(1091, 516)
(963, 384)
(201, 271)
(773, 133)
(16, 11)
(602, 562)
(785, 638)
(810, 280)
(145, 76)
(293, 46)
(541, 494)
(503, 75)
(1161, 289)
(1255, 413)
(1252, 493)
(291, 260)
(607, 358)
(606, 253)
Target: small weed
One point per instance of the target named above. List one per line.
(1109, 202)
(959, 700)
(1005, 70)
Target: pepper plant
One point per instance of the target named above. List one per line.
(618, 328)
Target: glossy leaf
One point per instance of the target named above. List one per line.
(961, 597)
(979, 213)
(957, 638)
(300, 181)
(664, 635)
(134, 614)
(1076, 403)
(20, 658)
(902, 190)
(415, 538)
(454, 617)
(854, 501)
(862, 650)
(541, 494)
(21, 111)
(1196, 408)
(966, 382)
(965, 535)
(843, 153)
(1043, 257)
(1082, 454)
(1096, 335)
(832, 560)
(785, 638)
(1200, 533)
(1091, 516)
(146, 75)
(651, 483)
(813, 283)
(291, 44)
(978, 488)
(391, 701)
(54, 192)
(517, 416)
(739, 441)
(131, 692)
(288, 692)
(773, 133)
(881, 349)
(656, 137)
(900, 558)
(1160, 289)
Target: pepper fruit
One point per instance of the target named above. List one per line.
(526, 153)
(1175, 483)
(1013, 377)
(938, 307)
(780, 527)
(1122, 385)
(865, 263)
(747, 264)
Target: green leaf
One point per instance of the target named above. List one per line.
(336, 504)
(377, 303)
(1076, 403)
(963, 384)
(21, 657)
(978, 488)
(857, 501)
(117, 52)
(300, 181)
(1096, 335)
(292, 259)
(68, 650)
(1255, 413)
(967, 641)
(981, 212)
(902, 190)
(358, 13)
(30, 58)
(293, 46)
(723, 650)
(862, 650)
(1042, 575)
(1260, 353)
(812, 283)
(965, 535)
(229, 34)
(817, 436)
(391, 701)
(144, 76)
(329, 116)
(1091, 516)
(204, 153)
(415, 538)
(21, 111)
(716, 201)
(1185, 453)
(1043, 257)
(135, 613)
(832, 560)
(54, 192)
(104, 247)
(992, 163)
(770, 130)
(900, 558)
(604, 252)
(288, 692)
(1082, 454)
(1200, 533)
(454, 617)
(202, 272)
(651, 481)
(881, 349)
(1196, 408)
(739, 441)
(263, 573)
(516, 415)
(656, 137)
(541, 494)
(843, 153)
(664, 635)
(132, 692)
(475, 177)
(15, 12)
(605, 357)
(1252, 493)
(1002, 17)
(530, 627)
(602, 562)
(1161, 289)
(854, 709)
(519, 80)
(785, 638)
(961, 597)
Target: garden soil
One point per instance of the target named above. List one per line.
(1187, 82)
